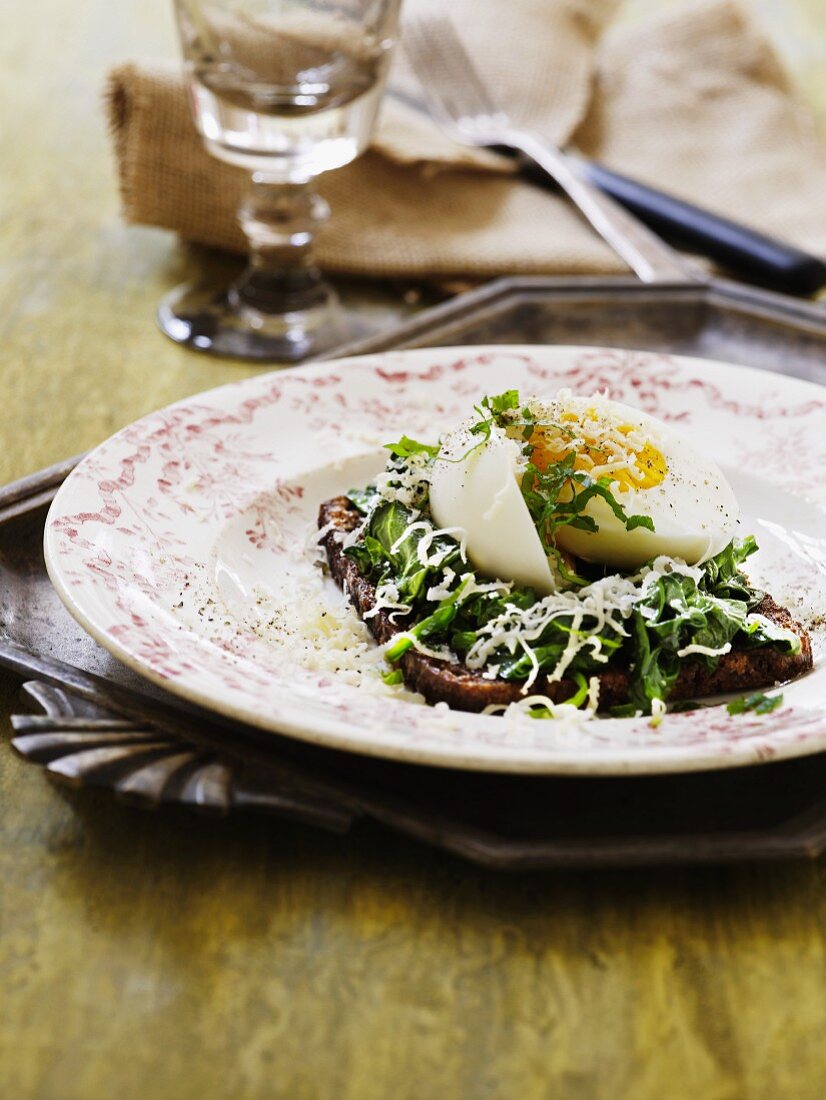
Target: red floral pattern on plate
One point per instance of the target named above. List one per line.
(134, 542)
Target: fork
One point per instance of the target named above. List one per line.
(459, 101)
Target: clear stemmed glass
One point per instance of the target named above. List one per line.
(286, 89)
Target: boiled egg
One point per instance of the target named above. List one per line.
(477, 488)
(653, 471)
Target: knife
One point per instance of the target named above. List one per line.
(754, 256)
(742, 251)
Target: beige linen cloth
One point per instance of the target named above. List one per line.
(693, 101)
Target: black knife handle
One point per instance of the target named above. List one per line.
(740, 249)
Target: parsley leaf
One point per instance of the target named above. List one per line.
(405, 447)
(504, 401)
(758, 702)
(639, 521)
(557, 496)
(492, 411)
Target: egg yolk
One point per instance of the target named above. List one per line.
(631, 467)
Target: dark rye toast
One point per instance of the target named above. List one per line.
(464, 689)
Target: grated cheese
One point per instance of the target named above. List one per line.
(704, 650)
(658, 711)
(608, 601)
(388, 599)
(605, 604)
(772, 627)
(321, 635)
(578, 428)
(566, 717)
(431, 532)
(406, 485)
(441, 654)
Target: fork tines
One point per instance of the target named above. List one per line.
(451, 84)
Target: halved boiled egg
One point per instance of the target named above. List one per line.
(653, 471)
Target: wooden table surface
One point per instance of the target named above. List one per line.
(174, 956)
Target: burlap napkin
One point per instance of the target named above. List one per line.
(694, 101)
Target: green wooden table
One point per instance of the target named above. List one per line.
(176, 956)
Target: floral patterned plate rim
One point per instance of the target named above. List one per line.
(183, 545)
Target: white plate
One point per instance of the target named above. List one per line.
(175, 542)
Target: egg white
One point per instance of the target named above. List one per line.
(476, 486)
(693, 509)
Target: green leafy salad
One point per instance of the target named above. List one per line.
(576, 478)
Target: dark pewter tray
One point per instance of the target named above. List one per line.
(100, 724)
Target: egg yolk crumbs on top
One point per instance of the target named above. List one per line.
(602, 449)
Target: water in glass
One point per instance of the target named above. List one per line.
(286, 89)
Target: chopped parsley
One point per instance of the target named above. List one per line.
(405, 447)
(552, 504)
(758, 702)
(558, 494)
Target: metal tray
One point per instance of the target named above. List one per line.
(99, 724)
(716, 319)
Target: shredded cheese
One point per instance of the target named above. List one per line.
(431, 532)
(658, 710)
(704, 650)
(608, 602)
(589, 612)
(388, 598)
(407, 485)
(441, 654)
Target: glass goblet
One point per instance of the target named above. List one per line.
(286, 89)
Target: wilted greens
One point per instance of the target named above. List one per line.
(664, 615)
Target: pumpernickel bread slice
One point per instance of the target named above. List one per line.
(440, 681)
